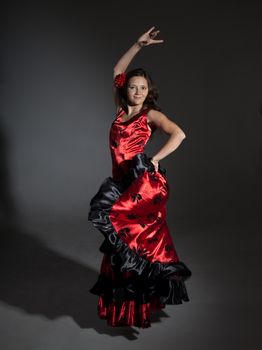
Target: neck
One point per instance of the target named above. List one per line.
(134, 109)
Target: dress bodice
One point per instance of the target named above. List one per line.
(126, 139)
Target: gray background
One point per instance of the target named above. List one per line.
(56, 111)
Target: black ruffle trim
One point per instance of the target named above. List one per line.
(140, 289)
(163, 280)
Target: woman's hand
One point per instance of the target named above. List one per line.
(155, 163)
(149, 38)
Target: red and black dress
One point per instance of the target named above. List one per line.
(140, 270)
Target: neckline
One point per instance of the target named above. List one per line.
(130, 119)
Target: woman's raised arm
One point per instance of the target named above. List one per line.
(145, 39)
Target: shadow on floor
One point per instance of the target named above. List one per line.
(40, 281)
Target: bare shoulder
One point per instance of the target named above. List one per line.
(153, 114)
(163, 122)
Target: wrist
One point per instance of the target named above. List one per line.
(139, 44)
(153, 159)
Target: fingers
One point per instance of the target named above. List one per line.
(154, 33)
(150, 29)
(157, 41)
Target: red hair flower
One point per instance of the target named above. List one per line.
(120, 80)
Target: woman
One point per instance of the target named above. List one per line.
(140, 270)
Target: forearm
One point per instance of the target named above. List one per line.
(170, 146)
(125, 60)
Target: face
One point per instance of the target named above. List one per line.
(137, 90)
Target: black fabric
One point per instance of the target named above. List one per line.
(163, 280)
(141, 290)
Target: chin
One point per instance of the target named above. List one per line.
(138, 101)
(134, 103)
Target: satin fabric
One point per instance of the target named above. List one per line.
(140, 270)
(139, 216)
(126, 139)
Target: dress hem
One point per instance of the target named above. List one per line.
(162, 280)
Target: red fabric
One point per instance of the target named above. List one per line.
(138, 216)
(126, 139)
(126, 313)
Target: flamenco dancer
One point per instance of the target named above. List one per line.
(140, 270)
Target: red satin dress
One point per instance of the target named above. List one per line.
(135, 277)
(131, 137)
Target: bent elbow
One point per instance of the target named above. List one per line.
(117, 70)
(182, 135)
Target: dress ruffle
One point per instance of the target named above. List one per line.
(138, 278)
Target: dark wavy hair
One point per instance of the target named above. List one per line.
(153, 92)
